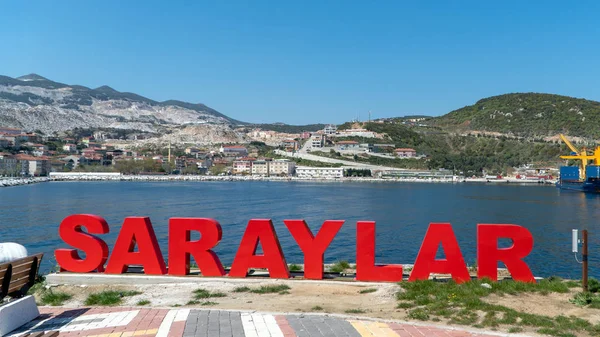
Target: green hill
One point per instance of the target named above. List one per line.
(527, 115)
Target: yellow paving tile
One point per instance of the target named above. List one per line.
(361, 328)
(139, 332)
(115, 334)
(103, 335)
(127, 334)
(380, 329)
(152, 332)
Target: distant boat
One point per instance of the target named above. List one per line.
(586, 176)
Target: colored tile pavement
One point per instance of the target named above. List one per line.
(128, 322)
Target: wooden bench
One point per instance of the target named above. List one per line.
(16, 277)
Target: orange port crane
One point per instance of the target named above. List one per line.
(582, 155)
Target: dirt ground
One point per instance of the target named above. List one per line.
(333, 297)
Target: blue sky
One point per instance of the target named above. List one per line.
(307, 62)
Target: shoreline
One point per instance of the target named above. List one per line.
(10, 182)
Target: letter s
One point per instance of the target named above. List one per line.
(96, 250)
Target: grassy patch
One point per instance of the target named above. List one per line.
(368, 290)
(110, 297)
(354, 311)
(295, 267)
(241, 290)
(420, 313)
(54, 298)
(339, 267)
(316, 308)
(203, 293)
(463, 304)
(280, 289)
(143, 302)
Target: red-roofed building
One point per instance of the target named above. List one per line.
(406, 153)
(243, 166)
(234, 150)
(69, 147)
(33, 166)
(347, 145)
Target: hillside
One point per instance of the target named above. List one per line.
(33, 102)
(469, 154)
(527, 115)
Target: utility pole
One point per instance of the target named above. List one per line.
(169, 152)
(369, 116)
(584, 253)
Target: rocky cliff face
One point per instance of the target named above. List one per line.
(35, 103)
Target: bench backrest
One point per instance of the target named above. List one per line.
(16, 277)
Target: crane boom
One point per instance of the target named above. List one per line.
(564, 139)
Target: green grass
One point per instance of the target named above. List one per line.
(295, 267)
(282, 289)
(461, 303)
(316, 308)
(143, 302)
(241, 290)
(339, 267)
(354, 311)
(110, 297)
(203, 293)
(368, 290)
(420, 313)
(54, 298)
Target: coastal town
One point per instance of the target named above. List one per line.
(324, 154)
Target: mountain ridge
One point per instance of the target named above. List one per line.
(33, 102)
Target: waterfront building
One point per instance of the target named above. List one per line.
(319, 172)
(33, 166)
(8, 164)
(243, 166)
(260, 168)
(279, 167)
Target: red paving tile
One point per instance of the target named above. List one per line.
(151, 319)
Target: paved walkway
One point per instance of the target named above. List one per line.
(128, 322)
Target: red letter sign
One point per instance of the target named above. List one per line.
(259, 230)
(96, 250)
(488, 253)
(136, 230)
(426, 263)
(365, 257)
(313, 247)
(180, 246)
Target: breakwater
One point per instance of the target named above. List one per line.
(158, 178)
(8, 182)
(75, 176)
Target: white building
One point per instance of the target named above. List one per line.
(281, 167)
(317, 141)
(319, 172)
(330, 129)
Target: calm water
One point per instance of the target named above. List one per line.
(31, 214)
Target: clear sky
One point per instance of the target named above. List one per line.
(304, 62)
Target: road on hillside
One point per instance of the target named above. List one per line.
(313, 157)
